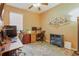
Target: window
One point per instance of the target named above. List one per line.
(16, 19)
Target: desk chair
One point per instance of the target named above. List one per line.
(41, 36)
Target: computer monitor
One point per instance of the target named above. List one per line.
(10, 31)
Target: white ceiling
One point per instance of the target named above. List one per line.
(34, 9)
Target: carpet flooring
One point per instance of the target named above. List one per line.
(42, 49)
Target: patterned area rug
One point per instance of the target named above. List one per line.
(42, 49)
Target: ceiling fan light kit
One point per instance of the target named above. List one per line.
(37, 5)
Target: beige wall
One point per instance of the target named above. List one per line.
(32, 19)
(29, 19)
(69, 31)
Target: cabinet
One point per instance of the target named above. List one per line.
(26, 38)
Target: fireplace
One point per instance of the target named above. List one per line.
(56, 40)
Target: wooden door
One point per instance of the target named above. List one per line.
(1, 8)
(78, 32)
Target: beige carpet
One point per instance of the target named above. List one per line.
(42, 49)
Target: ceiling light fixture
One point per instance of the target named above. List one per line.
(36, 4)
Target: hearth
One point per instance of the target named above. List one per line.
(56, 40)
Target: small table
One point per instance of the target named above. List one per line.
(10, 46)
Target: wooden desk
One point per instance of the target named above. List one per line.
(12, 46)
(33, 37)
(29, 38)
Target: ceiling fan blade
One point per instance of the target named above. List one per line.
(44, 3)
(30, 6)
(1, 8)
(39, 8)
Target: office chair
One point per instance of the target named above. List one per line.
(41, 36)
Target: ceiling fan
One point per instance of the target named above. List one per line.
(37, 5)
